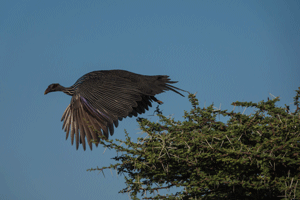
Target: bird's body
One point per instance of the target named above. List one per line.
(101, 98)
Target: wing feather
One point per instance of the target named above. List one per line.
(76, 128)
(81, 129)
(72, 127)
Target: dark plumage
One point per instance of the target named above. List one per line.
(101, 98)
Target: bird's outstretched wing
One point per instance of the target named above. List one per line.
(100, 101)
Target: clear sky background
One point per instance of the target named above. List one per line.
(225, 51)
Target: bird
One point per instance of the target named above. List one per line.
(100, 99)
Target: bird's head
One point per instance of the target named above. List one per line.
(53, 88)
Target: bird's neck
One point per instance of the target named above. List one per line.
(68, 90)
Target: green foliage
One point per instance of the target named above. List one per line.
(252, 156)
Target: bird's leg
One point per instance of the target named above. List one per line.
(156, 100)
(159, 102)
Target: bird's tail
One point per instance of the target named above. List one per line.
(173, 88)
(165, 84)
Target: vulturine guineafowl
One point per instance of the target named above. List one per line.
(101, 98)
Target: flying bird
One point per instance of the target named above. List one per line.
(100, 99)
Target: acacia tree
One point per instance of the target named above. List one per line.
(252, 156)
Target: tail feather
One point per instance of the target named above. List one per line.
(174, 89)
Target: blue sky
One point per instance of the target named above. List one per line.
(225, 51)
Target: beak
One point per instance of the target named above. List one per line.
(46, 91)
